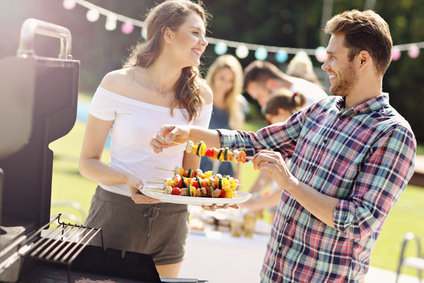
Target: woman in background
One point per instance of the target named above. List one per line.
(225, 78)
(159, 84)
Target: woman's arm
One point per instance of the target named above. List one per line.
(92, 167)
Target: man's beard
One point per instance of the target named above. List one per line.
(346, 80)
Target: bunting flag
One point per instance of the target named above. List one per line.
(242, 49)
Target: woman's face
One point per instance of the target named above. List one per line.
(223, 81)
(189, 42)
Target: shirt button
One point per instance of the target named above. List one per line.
(280, 248)
(325, 141)
(313, 168)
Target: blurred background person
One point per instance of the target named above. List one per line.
(266, 194)
(225, 78)
(301, 67)
(262, 77)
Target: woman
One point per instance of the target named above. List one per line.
(159, 84)
(225, 78)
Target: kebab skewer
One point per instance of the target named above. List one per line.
(222, 154)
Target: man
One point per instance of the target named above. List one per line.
(352, 156)
(261, 78)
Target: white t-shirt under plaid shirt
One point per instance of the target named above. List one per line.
(363, 156)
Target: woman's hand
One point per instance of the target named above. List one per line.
(276, 166)
(169, 135)
(136, 185)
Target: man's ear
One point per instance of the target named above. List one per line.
(364, 58)
(271, 83)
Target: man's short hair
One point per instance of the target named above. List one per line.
(260, 71)
(364, 31)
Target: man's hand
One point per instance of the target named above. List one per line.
(276, 166)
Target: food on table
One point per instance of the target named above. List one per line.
(222, 154)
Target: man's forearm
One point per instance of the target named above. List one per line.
(320, 205)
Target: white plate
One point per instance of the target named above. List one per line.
(241, 197)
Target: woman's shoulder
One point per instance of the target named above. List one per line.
(117, 80)
(206, 92)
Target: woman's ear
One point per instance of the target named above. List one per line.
(167, 34)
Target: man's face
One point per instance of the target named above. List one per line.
(341, 72)
(259, 91)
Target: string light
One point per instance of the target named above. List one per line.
(69, 4)
(221, 46)
(92, 15)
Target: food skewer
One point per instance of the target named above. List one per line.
(222, 154)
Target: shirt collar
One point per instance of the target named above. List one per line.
(367, 107)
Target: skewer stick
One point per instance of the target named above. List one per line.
(165, 169)
(154, 188)
(154, 182)
(177, 143)
(160, 178)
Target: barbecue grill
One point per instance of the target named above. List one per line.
(38, 105)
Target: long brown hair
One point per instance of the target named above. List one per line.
(171, 14)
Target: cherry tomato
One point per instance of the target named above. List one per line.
(222, 195)
(209, 152)
(176, 191)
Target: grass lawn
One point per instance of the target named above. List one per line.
(68, 185)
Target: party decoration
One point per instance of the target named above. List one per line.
(261, 54)
(127, 28)
(320, 54)
(242, 51)
(110, 22)
(396, 54)
(144, 33)
(220, 48)
(69, 4)
(92, 15)
(281, 56)
(221, 45)
(413, 51)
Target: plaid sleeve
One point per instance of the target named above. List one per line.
(278, 137)
(379, 185)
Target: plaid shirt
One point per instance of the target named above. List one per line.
(364, 156)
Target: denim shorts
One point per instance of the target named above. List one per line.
(160, 230)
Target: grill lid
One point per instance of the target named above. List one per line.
(38, 105)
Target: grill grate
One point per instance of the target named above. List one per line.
(61, 244)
